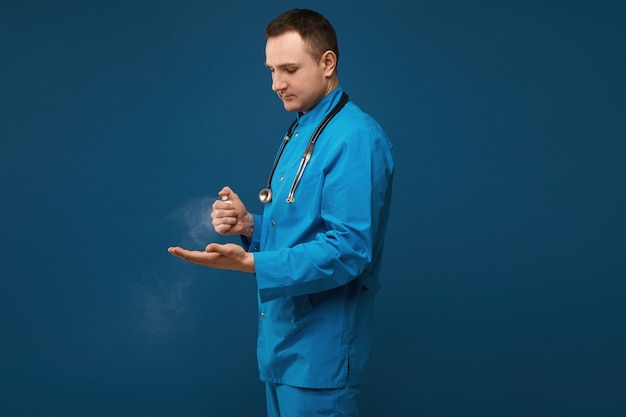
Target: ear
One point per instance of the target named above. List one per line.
(328, 63)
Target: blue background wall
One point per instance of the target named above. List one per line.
(504, 272)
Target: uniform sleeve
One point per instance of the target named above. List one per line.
(354, 197)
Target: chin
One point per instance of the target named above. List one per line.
(290, 106)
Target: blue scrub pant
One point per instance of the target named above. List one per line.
(287, 401)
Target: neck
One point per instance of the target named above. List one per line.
(332, 84)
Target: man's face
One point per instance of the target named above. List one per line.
(297, 78)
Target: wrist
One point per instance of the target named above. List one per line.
(248, 226)
(249, 263)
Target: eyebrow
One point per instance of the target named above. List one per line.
(289, 64)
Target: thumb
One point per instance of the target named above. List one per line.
(212, 247)
(228, 194)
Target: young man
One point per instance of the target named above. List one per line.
(316, 249)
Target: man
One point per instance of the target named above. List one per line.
(316, 249)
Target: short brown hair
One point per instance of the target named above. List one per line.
(314, 29)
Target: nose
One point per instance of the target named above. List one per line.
(278, 83)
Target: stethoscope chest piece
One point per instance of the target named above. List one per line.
(265, 196)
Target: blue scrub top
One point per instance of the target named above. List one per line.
(317, 259)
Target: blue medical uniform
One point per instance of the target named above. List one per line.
(317, 259)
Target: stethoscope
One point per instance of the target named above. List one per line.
(265, 196)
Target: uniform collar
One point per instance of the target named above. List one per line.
(321, 109)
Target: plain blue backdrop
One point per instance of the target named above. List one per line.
(503, 279)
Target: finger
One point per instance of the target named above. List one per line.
(180, 252)
(226, 249)
(222, 205)
(217, 213)
(223, 230)
(224, 225)
(228, 194)
(196, 257)
(219, 220)
(176, 251)
(224, 208)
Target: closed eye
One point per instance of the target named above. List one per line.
(289, 69)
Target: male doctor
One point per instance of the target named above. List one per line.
(316, 249)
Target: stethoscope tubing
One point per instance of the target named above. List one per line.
(265, 196)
